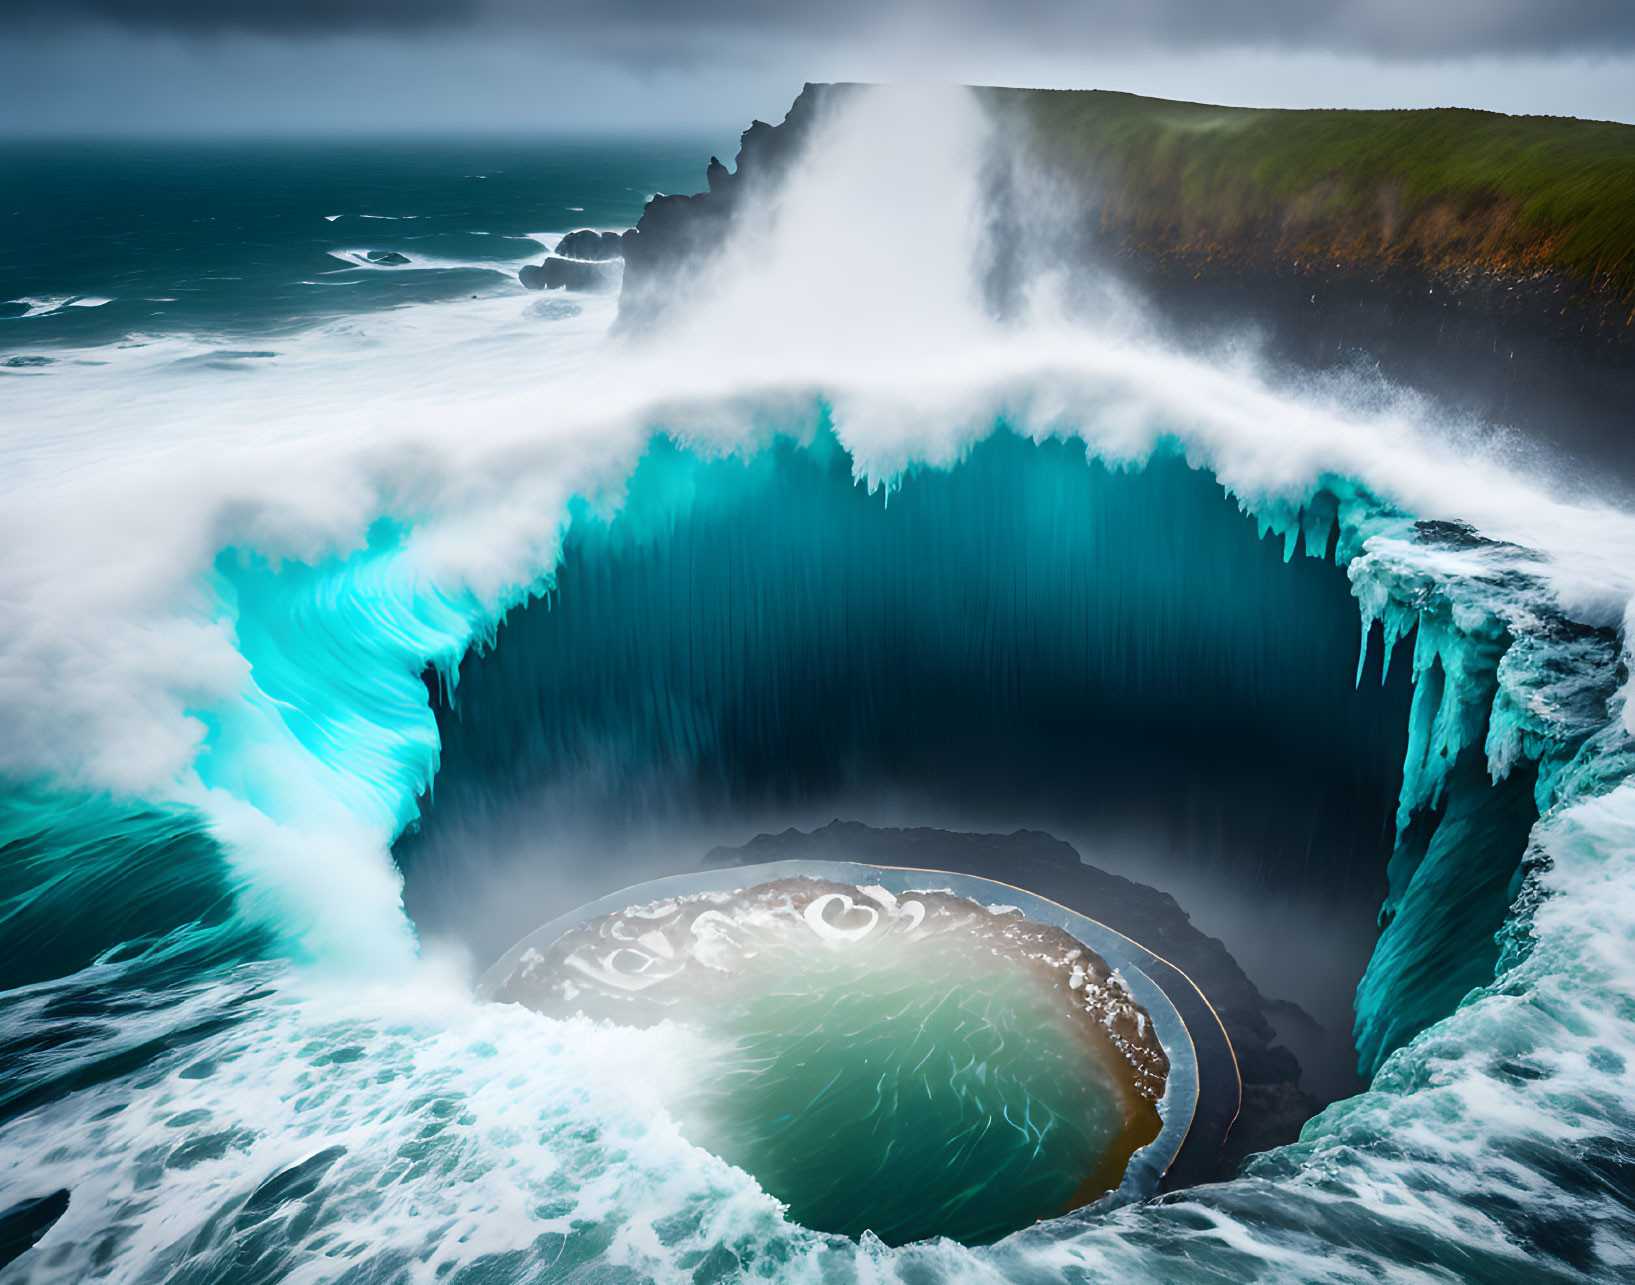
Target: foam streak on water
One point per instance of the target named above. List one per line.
(222, 580)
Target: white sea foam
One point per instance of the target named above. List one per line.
(513, 1118)
(476, 420)
(358, 257)
(40, 305)
(473, 422)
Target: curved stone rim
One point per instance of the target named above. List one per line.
(1145, 1169)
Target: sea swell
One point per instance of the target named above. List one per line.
(1516, 1089)
(224, 1038)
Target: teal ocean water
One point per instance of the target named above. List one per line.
(357, 618)
(110, 242)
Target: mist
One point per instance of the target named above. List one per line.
(248, 590)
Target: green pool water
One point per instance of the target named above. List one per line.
(911, 1067)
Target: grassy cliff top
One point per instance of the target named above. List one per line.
(1511, 193)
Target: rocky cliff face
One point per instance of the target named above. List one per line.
(1519, 214)
(1488, 261)
(678, 235)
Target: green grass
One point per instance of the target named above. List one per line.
(1529, 191)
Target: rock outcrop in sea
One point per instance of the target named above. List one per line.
(584, 261)
(678, 235)
(595, 246)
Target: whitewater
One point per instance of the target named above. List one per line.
(224, 578)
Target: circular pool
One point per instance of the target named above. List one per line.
(900, 1052)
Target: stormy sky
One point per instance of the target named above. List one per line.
(292, 66)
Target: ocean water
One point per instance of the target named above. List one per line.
(108, 243)
(247, 597)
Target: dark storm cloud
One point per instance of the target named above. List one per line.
(646, 28)
(275, 17)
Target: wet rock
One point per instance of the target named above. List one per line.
(22, 1225)
(1271, 1116)
(595, 246)
(570, 274)
(387, 258)
(678, 236)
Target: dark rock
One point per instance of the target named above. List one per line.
(1537, 351)
(1529, 349)
(570, 274)
(678, 235)
(595, 246)
(24, 1223)
(1522, 355)
(1271, 1116)
(387, 258)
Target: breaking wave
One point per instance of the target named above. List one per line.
(841, 534)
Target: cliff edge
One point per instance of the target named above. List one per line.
(1484, 259)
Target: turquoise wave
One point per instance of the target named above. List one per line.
(1492, 1017)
